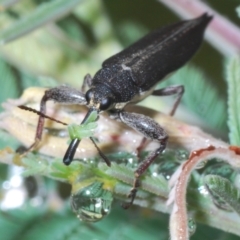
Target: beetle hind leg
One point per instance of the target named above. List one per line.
(151, 130)
(171, 90)
(141, 169)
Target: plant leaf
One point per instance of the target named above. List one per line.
(8, 82)
(200, 96)
(81, 131)
(7, 140)
(238, 11)
(225, 190)
(46, 13)
(233, 80)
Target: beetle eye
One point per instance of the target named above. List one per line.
(105, 103)
(89, 95)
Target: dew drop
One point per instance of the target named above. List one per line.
(125, 158)
(92, 203)
(201, 165)
(192, 226)
(182, 155)
(6, 185)
(165, 168)
(203, 190)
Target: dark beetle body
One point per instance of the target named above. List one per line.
(129, 77)
(138, 68)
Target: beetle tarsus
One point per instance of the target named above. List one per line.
(133, 193)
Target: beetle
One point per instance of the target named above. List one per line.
(128, 77)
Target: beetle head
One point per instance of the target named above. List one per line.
(100, 98)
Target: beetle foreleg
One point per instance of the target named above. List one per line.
(151, 130)
(61, 94)
(179, 90)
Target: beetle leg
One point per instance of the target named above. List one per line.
(87, 82)
(141, 146)
(61, 94)
(151, 130)
(179, 90)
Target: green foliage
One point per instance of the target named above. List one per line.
(81, 131)
(84, 130)
(45, 13)
(7, 140)
(201, 96)
(38, 223)
(238, 11)
(233, 79)
(15, 223)
(224, 190)
(8, 81)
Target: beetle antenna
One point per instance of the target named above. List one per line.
(40, 114)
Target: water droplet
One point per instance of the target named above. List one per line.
(16, 181)
(6, 185)
(92, 203)
(126, 158)
(203, 190)
(192, 226)
(165, 168)
(201, 165)
(36, 201)
(13, 198)
(182, 155)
